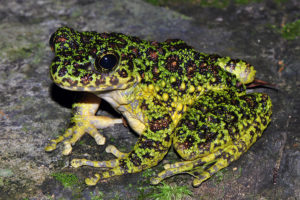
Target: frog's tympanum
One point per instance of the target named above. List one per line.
(169, 94)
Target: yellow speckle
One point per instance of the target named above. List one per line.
(191, 89)
(173, 104)
(172, 79)
(190, 101)
(199, 88)
(163, 84)
(157, 88)
(179, 107)
(151, 87)
(165, 96)
(182, 86)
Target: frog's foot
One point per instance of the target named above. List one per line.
(204, 167)
(116, 152)
(113, 169)
(107, 164)
(79, 126)
(195, 168)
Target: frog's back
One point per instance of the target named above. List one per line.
(177, 75)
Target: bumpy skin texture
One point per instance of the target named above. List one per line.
(169, 94)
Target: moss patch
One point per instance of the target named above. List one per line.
(164, 192)
(291, 30)
(207, 3)
(67, 180)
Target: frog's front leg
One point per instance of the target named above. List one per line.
(83, 121)
(152, 145)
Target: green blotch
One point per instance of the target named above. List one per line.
(76, 13)
(204, 3)
(222, 61)
(154, 2)
(98, 196)
(219, 176)
(148, 173)
(67, 180)
(34, 52)
(165, 192)
(246, 1)
(1, 182)
(19, 53)
(291, 30)
(6, 172)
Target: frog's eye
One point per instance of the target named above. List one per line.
(106, 62)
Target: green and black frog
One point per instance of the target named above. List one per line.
(169, 94)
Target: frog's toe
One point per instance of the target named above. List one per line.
(51, 146)
(92, 180)
(67, 148)
(155, 180)
(78, 162)
(103, 164)
(197, 182)
(100, 139)
(115, 151)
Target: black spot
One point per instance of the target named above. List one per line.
(135, 159)
(86, 79)
(189, 142)
(148, 156)
(62, 72)
(135, 39)
(54, 68)
(160, 123)
(123, 165)
(146, 143)
(130, 65)
(172, 63)
(123, 73)
(100, 81)
(114, 80)
(152, 54)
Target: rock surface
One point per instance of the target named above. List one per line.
(33, 110)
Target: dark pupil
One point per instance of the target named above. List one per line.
(108, 61)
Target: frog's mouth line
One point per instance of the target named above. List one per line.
(92, 82)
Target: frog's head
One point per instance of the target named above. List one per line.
(90, 61)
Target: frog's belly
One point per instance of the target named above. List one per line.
(135, 120)
(130, 110)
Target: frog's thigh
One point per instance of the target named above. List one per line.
(203, 168)
(211, 135)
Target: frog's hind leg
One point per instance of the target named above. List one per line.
(83, 121)
(215, 131)
(203, 168)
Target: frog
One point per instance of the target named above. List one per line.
(170, 94)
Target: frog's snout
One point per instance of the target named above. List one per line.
(63, 40)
